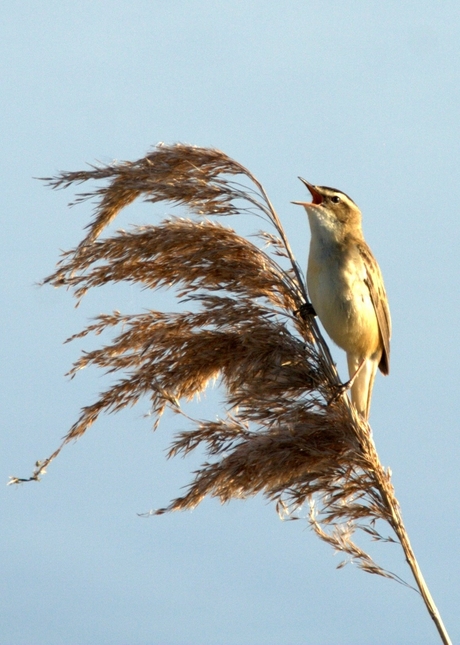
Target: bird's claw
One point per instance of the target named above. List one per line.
(306, 309)
(340, 390)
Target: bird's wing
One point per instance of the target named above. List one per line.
(374, 283)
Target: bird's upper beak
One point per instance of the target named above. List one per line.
(317, 197)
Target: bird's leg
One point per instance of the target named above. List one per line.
(344, 387)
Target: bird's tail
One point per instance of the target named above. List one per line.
(361, 389)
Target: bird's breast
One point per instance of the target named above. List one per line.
(338, 291)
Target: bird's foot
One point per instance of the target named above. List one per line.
(339, 390)
(305, 310)
(344, 387)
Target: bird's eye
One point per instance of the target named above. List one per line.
(336, 199)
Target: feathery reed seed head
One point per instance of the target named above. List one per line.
(287, 431)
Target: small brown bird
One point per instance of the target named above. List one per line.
(346, 289)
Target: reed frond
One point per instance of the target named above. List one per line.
(287, 430)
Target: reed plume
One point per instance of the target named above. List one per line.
(287, 428)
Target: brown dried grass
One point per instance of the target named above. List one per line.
(287, 430)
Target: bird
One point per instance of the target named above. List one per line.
(346, 289)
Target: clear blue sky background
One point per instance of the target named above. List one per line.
(363, 95)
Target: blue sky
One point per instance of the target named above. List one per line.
(361, 95)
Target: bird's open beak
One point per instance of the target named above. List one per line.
(317, 197)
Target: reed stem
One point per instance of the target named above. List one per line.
(400, 530)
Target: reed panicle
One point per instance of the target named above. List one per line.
(287, 430)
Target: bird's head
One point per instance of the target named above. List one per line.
(332, 205)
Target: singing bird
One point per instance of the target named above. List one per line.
(346, 289)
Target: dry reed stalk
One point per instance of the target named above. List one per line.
(288, 431)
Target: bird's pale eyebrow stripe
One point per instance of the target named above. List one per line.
(335, 190)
